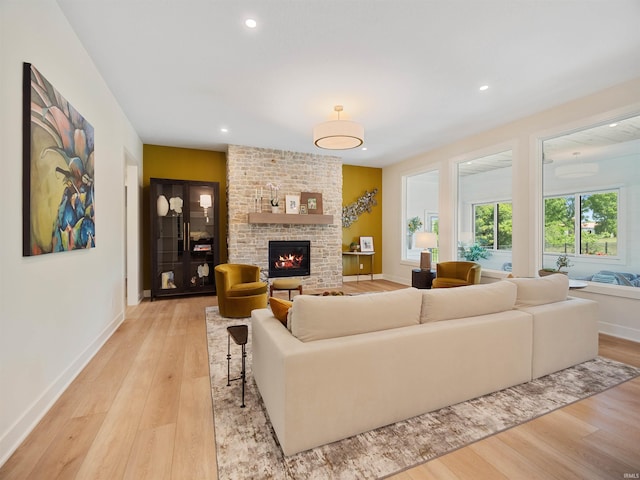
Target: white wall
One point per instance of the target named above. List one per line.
(57, 309)
(523, 136)
(134, 234)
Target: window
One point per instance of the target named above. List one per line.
(559, 224)
(485, 224)
(421, 211)
(591, 186)
(493, 225)
(597, 225)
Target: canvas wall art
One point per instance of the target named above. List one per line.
(58, 171)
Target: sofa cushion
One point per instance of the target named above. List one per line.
(319, 317)
(470, 301)
(280, 308)
(538, 291)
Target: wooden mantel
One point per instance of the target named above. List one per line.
(290, 218)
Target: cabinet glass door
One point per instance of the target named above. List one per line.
(200, 236)
(170, 235)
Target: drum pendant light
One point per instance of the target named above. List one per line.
(338, 134)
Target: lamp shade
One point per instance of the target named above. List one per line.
(205, 201)
(426, 240)
(338, 134)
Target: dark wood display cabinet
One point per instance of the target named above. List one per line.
(184, 237)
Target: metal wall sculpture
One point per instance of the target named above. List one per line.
(365, 203)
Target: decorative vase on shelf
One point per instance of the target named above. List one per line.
(275, 209)
(162, 206)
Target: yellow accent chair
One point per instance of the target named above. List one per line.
(239, 289)
(456, 274)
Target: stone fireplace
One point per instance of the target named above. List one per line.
(249, 169)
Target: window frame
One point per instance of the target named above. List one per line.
(577, 224)
(432, 213)
(496, 215)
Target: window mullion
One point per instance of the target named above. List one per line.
(496, 245)
(577, 225)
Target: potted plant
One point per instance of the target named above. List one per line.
(475, 252)
(353, 246)
(275, 201)
(413, 225)
(561, 262)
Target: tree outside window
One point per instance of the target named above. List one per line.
(559, 224)
(597, 226)
(493, 224)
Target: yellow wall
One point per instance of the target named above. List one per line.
(182, 164)
(190, 164)
(355, 181)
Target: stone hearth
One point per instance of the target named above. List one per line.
(248, 170)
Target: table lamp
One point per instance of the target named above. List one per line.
(426, 240)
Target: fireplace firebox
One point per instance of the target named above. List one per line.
(289, 258)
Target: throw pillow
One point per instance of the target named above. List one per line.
(280, 308)
(538, 291)
(321, 317)
(469, 301)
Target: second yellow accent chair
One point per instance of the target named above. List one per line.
(456, 274)
(239, 289)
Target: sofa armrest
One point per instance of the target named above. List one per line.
(271, 345)
(564, 334)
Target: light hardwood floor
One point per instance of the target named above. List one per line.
(142, 409)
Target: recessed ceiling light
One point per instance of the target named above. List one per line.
(484, 87)
(224, 130)
(364, 148)
(613, 125)
(251, 23)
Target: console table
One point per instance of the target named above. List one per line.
(362, 254)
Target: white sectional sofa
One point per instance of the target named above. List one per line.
(350, 364)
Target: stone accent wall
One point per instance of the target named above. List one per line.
(250, 168)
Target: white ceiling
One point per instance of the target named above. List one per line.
(408, 70)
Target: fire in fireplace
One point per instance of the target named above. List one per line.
(289, 258)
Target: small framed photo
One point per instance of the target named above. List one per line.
(313, 201)
(292, 203)
(303, 209)
(366, 244)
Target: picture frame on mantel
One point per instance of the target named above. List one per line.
(292, 204)
(313, 201)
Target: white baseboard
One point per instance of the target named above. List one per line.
(619, 331)
(22, 427)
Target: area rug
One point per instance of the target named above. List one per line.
(247, 448)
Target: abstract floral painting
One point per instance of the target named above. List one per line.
(58, 171)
